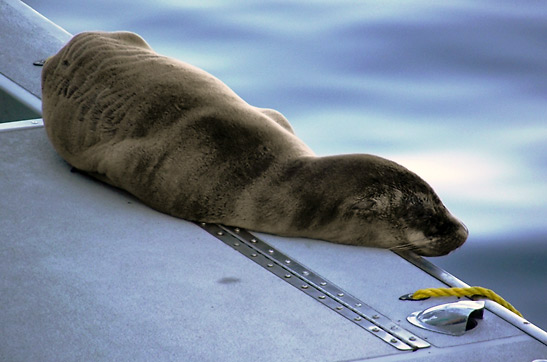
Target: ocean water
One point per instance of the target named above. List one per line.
(455, 91)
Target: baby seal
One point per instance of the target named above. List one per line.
(185, 144)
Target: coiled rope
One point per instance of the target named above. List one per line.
(463, 292)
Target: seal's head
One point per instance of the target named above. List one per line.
(370, 201)
(406, 212)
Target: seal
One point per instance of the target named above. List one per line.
(185, 144)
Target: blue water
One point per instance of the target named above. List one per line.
(457, 92)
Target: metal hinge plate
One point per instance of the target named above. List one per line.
(316, 286)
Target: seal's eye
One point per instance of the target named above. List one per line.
(363, 206)
(365, 210)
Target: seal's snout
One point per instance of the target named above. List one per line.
(452, 240)
(461, 234)
(443, 238)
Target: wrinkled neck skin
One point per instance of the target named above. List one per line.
(358, 200)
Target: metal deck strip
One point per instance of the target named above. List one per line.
(22, 95)
(316, 287)
(17, 125)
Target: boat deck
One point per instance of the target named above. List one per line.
(87, 272)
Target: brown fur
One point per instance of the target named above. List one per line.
(187, 145)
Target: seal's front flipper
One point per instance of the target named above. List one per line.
(277, 117)
(95, 175)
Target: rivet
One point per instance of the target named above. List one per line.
(236, 244)
(220, 233)
(375, 329)
(358, 304)
(254, 255)
(305, 272)
(203, 224)
(237, 230)
(321, 297)
(253, 240)
(323, 283)
(357, 318)
(305, 286)
(376, 316)
(34, 122)
(393, 340)
(339, 307)
(287, 276)
(340, 294)
(269, 265)
(287, 261)
(271, 251)
(526, 322)
(394, 328)
(412, 338)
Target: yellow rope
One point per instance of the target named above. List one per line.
(464, 292)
